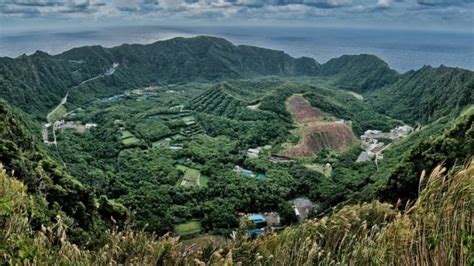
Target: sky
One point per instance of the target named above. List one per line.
(438, 15)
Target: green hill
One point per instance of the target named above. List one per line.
(359, 73)
(426, 94)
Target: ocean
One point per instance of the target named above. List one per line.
(403, 50)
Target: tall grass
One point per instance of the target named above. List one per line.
(437, 229)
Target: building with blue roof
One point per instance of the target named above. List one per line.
(254, 232)
(246, 172)
(256, 218)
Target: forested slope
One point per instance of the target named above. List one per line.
(54, 190)
(426, 94)
(452, 148)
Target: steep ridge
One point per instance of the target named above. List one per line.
(180, 60)
(177, 60)
(37, 82)
(452, 148)
(426, 94)
(20, 155)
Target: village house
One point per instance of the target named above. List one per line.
(253, 153)
(302, 207)
(372, 134)
(401, 132)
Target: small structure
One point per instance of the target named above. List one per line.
(175, 147)
(401, 132)
(90, 125)
(372, 134)
(256, 218)
(246, 173)
(259, 221)
(272, 219)
(253, 153)
(280, 159)
(302, 207)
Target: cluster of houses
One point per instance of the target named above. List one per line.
(373, 147)
(263, 223)
(61, 124)
(394, 134)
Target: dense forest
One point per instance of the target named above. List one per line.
(185, 137)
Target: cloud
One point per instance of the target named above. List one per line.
(37, 3)
(313, 3)
(444, 2)
(303, 12)
(48, 7)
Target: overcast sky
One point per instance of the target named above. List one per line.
(450, 15)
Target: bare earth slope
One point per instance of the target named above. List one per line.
(317, 130)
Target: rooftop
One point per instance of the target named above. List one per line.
(256, 218)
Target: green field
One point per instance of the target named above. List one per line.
(192, 176)
(128, 138)
(193, 227)
(319, 168)
(203, 180)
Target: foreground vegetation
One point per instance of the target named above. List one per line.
(435, 230)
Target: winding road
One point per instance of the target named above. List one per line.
(56, 123)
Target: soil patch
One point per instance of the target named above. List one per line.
(315, 131)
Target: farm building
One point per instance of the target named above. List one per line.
(253, 153)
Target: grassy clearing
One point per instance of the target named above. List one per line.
(319, 168)
(188, 119)
(203, 180)
(128, 138)
(161, 143)
(192, 177)
(126, 134)
(193, 227)
(58, 113)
